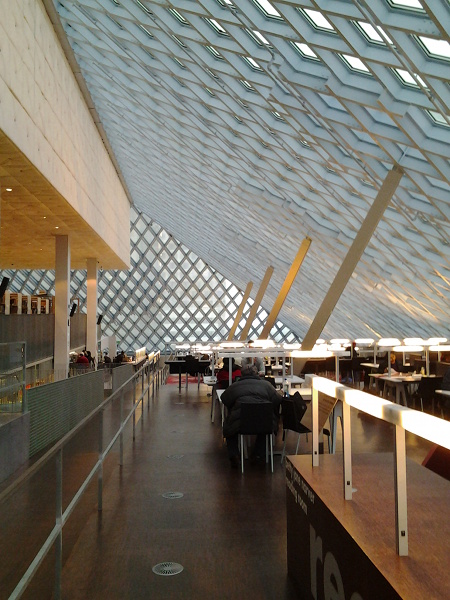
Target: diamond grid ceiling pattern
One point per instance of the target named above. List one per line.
(242, 127)
(169, 294)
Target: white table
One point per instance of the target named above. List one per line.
(399, 383)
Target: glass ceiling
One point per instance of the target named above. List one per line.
(241, 127)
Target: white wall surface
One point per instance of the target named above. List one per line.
(44, 113)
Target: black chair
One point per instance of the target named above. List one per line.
(293, 409)
(256, 418)
(426, 391)
(271, 380)
(192, 368)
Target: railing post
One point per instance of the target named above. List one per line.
(58, 522)
(141, 400)
(347, 444)
(134, 412)
(100, 469)
(24, 379)
(121, 428)
(148, 387)
(401, 516)
(315, 425)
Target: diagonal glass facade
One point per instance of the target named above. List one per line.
(169, 294)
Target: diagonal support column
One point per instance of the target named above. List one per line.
(256, 304)
(240, 310)
(354, 254)
(297, 263)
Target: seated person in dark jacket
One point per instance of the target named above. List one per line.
(249, 388)
(223, 374)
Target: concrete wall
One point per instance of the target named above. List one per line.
(43, 112)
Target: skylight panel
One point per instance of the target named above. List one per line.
(145, 30)
(252, 62)
(179, 63)
(408, 4)
(261, 37)
(438, 118)
(406, 78)
(267, 9)
(375, 35)
(435, 48)
(216, 26)
(214, 52)
(276, 115)
(356, 64)
(179, 42)
(211, 73)
(317, 19)
(248, 86)
(305, 50)
(143, 7)
(178, 16)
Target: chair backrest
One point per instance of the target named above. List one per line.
(271, 380)
(293, 409)
(428, 385)
(191, 365)
(300, 406)
(288, 414)
(256, 417)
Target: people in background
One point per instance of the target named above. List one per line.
(106, 358)
(223, 374)
(396, 365)
(82, 359)
(90, 358)
(249, 388)
(255, 360)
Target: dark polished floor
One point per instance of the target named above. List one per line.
(228, 530)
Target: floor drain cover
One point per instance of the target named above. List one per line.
(167, 568)
(172, 495)
(175, 456)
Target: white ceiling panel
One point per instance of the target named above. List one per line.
(242, 127)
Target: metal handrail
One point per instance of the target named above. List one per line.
(55, 536)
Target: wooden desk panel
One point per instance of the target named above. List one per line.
(358, 536)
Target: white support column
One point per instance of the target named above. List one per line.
(347, 443)
(315, 425)
(401, 512)
(62, 295)
(91, 304)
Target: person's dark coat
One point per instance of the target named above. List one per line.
(252, 389)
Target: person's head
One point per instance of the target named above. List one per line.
(393, 358)
(226, 362)
(249, 369)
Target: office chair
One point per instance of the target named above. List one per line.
(256, 418)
